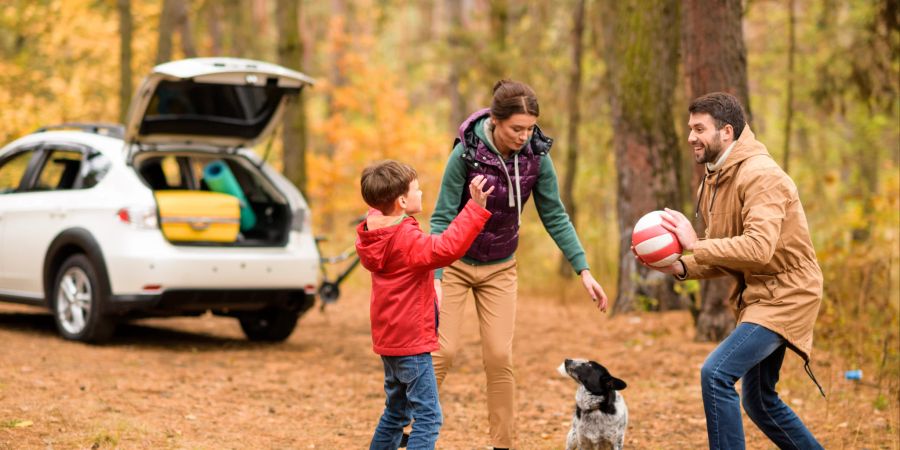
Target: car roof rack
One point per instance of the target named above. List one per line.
(106, 129)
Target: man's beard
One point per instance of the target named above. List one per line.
(712, 151)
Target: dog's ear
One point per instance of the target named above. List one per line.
(616, 383)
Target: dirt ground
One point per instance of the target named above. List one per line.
(196, 383)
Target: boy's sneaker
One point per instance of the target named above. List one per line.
(404, 440)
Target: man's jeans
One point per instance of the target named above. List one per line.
(411, 394)
(753, 354)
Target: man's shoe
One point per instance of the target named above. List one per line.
(404, 440)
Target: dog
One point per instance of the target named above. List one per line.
(600, 413)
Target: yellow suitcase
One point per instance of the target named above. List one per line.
(198, 216)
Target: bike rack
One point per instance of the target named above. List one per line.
(330, 290)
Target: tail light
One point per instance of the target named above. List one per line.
(143, 218)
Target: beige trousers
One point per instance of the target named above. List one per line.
(494, 289)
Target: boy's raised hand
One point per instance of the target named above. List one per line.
(475, 188)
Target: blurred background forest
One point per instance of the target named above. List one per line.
(820, 80)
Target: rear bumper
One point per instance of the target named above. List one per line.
(143, 264)
(186, 301)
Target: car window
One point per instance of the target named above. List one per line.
(163, 172)
(97, 166)
(12, 170)
(60, 171)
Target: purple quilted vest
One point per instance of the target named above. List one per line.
(500, 236)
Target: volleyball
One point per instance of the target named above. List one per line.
(655, 245)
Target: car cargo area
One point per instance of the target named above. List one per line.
(212, 199)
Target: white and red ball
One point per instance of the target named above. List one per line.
(655, 245)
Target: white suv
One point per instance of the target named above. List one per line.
(79, 220)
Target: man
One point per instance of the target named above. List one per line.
(756, 232)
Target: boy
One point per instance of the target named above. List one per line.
(403, 307)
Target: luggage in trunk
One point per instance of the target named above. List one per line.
(198, 216)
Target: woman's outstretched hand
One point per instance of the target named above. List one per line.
(594, 290)
(475, 188)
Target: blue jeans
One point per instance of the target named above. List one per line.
(411, 394)
(754, 354)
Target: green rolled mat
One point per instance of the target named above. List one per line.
(219, 178)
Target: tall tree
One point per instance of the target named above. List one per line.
(290, 55)
(499, 19)
(125, 30)
(214, 26)
(182, 14)
(641, 53)
(168, 17)
(789, 102)
(715, 60)
(458, 108)
(574, 95)
(174, 16)
(338, 39)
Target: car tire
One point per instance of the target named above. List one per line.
(77, 301)
(270, 325)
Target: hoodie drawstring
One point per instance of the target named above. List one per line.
(715, 190)
(813, 377)
(702, 189)
(514, 192)
(700, 197)
(518, 188)
(509, 183)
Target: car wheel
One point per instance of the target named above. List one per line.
(270, 325)
(77, 302)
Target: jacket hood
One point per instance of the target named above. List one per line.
(469, 123)
(374, 246)
(746, 146)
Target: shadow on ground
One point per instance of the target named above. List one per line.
(139, 333)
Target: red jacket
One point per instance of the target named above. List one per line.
(402, 259)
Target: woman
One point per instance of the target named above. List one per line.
(504, 144)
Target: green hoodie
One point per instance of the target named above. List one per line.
(546, 199)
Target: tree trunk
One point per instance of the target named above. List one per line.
(642, 57)
(214, 16)
(337, 31)
(184, 29)
(568, 185)
(789, 102)
(499, 17)
(458, 108)
(715, 60)
(125, 29)
(167, 19)
(290, 55)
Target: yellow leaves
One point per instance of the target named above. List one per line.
(370, 118)
(67, 67)
(16, 423)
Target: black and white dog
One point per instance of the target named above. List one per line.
(600, 413)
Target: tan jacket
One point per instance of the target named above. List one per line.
(756, 231)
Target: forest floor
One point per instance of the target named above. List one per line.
(196, 383)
